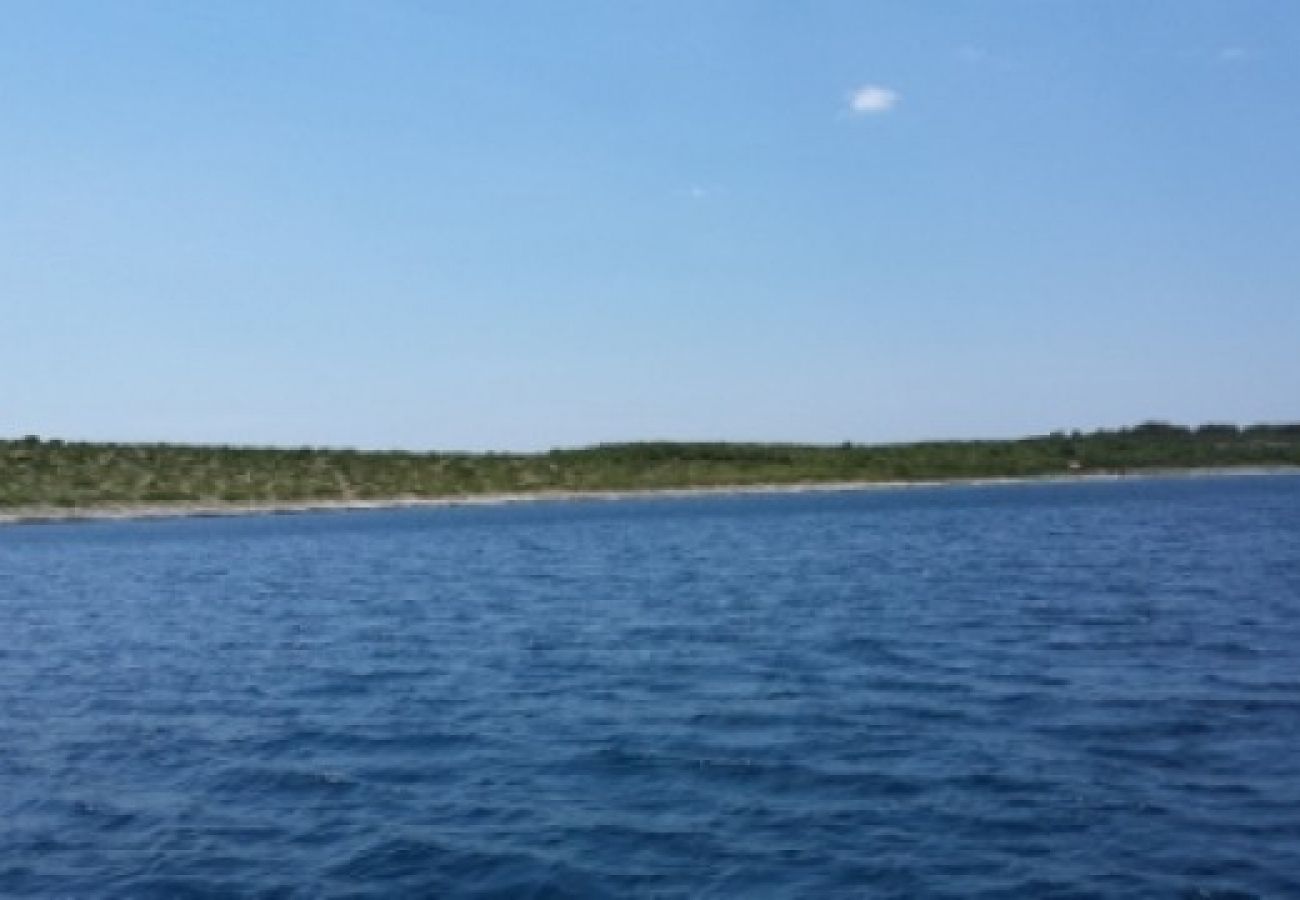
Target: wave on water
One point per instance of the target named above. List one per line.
(1063, 690)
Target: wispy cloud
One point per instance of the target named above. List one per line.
(1236, 54)
(872, 100)
(975, 55)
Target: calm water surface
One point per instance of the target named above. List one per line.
(1031, 691)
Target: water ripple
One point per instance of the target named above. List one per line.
(1045, 691)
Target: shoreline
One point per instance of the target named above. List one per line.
(33, 515)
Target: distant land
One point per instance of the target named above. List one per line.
(47, 478)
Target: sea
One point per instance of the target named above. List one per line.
(1077, 689)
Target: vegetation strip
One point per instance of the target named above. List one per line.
(59, 479)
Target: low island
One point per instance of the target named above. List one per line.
(55, 479)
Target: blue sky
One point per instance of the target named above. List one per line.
(520, 225)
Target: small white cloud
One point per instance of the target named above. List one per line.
(697, 192)
(872, 99)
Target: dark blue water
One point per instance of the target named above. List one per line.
(1026, 691)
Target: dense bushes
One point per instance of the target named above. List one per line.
(35, 472)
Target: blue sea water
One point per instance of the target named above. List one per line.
(1053, 690)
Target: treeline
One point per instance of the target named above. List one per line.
(54, 473)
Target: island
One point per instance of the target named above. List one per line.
(51, 478)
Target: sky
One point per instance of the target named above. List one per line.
(518, 225)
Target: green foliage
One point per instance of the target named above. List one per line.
(51, 473)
